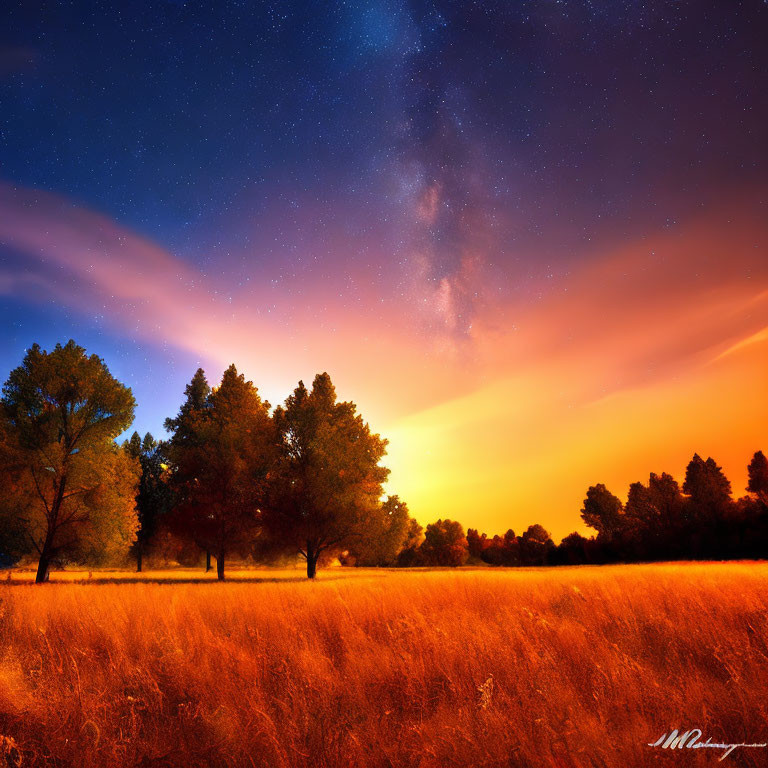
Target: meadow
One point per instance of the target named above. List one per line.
(557, 667)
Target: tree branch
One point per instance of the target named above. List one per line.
(40, 493)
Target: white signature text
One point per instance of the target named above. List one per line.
(691, 740)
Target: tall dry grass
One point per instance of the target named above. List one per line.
(567, 667)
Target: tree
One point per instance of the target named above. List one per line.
(387, 536)
(602, 511)
(500, 550)
(655, 515)
(535, 545)
(444, 544)
(666, 499)
(573, 549)
(327, 482)
(510, 548)
(196, 395)
(409, 554)
(153, 499)
(196, 401)
(13, 538)
(477, 543)
(73, 489)
(221, 452)
(709, 489)
(758, 477)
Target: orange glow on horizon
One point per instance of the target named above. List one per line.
(649, 352)
(532, 459)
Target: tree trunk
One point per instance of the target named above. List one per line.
(43, 566)
(139, 556)
(207, 560)
(312, 557)
(220, 566)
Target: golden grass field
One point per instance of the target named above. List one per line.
(383, 668)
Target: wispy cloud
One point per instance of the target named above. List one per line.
(600, 376)
(90, 263)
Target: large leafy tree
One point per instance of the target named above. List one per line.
(327, 482)
(499, 550)
(221, 452)
(444, 544)
(573, 550)
(409, 553)
(153, 499)
(13, 538)
(656, 505)
(70, 487)
(477, 543)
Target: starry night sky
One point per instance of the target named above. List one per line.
(538, 220)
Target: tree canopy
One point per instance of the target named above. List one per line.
(389, 532)
(602, 510)
(72, 488)
(444, 544)
(326, 484)
(222, 449)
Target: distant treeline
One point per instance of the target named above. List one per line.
(238, 479)
(660, 521)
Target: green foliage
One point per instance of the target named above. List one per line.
(71, 489)
(222, 450)
(108, 519)
(326, 484)
(65, 398)
(154, 498)
(307, 480)
(391, 531)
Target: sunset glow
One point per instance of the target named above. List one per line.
(523, 300)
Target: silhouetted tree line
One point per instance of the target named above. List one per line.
(239, 479)
(660, 521)
(534, 547)
(663, 521)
